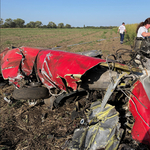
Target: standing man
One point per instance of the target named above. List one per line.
(122, 30)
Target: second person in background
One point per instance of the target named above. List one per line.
(122, 30)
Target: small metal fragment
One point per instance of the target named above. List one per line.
(82, 121)
(7, 100)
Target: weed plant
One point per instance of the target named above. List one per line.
(130, 34)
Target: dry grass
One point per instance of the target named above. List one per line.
(72, 40)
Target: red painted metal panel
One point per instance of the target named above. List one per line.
(30, 56)
(139, 105)
(53, 65)
(10, 61)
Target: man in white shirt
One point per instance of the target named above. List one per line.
(122, 30)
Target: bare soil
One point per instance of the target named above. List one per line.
(37, 127)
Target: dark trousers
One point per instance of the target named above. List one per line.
(121, 37)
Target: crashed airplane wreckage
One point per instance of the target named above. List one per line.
(53, 75)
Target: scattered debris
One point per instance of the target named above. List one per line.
(94, 103)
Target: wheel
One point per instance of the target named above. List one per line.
(31, 93)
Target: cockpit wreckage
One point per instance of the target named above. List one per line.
(122, 86)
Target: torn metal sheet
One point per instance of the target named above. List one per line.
(18, 60)
(57, 67)
(29, 56)
(10, 62)
(113, 84)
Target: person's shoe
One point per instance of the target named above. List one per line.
(121, 42)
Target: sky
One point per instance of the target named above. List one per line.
(77, 13)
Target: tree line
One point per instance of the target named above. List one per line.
(20, 23)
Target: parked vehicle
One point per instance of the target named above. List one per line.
(53, 75)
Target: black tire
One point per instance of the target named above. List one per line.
(30, 93)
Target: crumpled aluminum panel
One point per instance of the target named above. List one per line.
(103, 132)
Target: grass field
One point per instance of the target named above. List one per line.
(71, 40)
(67, 39)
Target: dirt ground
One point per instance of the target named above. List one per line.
(108, 46)
(38, 128)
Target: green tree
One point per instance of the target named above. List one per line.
(38, 24)
(31, 24)
(51, 25)
(68, 26)
(1, 21)
(44, 26)
(9, 23)
(60, 25)
(19, 22)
